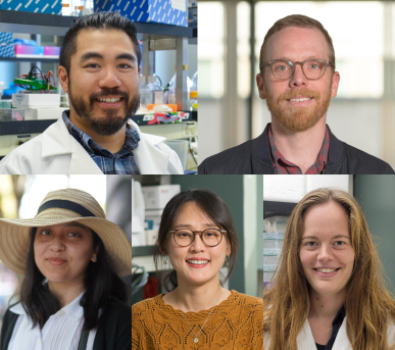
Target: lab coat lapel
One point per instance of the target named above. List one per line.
(57, 141)
(149, 158)
(305, 338)
(306, 341)
(342, 342)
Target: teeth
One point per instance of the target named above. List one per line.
(326, 270)
(197, 262)
(299, 99)
(109, 99)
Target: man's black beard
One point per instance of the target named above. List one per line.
(112, 122)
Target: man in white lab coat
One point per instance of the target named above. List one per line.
(99, 69)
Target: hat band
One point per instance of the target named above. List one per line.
(64, 204)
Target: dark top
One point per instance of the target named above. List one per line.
(253, 157)
(336, 324)
(114, 334)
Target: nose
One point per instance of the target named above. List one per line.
(109, 79)
(325, 253)
(56, 243)
(298, 78)
(197, 244)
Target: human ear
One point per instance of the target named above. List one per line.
(94, 256)
(335, 83)
(63, 78)
(260, 82)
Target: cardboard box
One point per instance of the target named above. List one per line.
(7, 50)
(6, 37)
(156, 197)
(52, 7)
(174, 12)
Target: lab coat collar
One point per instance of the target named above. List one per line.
(150, 159)
(305, 338)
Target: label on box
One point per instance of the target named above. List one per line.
(179, 5)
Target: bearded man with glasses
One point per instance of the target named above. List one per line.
(297, 78)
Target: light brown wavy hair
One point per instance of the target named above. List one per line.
(368, 305)
(299, 21)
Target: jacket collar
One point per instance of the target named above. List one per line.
(262, 161)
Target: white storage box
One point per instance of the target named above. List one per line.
(156, 197)
(270, 263)
(36, 100)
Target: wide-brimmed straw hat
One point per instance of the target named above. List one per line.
(60, 207)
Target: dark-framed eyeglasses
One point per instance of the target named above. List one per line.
(211, 237)
(313, 68)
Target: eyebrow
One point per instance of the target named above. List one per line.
(122, 56)
(315, 237)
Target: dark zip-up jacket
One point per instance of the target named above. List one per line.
(114, 334)
(253, 157)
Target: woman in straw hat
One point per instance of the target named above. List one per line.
(328, 291)
(197, 235)
(71, 297)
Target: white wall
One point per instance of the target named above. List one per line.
(293, 188)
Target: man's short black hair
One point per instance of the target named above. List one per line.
(100, 21)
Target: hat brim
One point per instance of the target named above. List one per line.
(15, 241)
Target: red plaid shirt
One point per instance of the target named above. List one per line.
(283, 166)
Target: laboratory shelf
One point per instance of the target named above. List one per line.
(141, 119)
(143, 250)
(30, 59)
(273, 208)
(38, 23)
(25, 127)
(178, 130)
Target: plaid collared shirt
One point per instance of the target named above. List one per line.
(283, 166)
(336, 324)
(122, 162)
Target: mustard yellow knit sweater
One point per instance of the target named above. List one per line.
(236, 323)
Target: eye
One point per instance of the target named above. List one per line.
(281, 68)
(342, 243)
(91, 65)
(45, 232)
(73, 234)
(310, 244)
(124, 65)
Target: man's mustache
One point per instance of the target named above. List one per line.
(298, 92)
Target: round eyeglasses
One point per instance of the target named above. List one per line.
(210, 237)
(313, 69)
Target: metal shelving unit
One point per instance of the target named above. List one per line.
(27, 22)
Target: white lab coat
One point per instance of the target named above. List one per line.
(306, 341)
(55, 151)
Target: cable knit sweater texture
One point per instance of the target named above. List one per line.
(236, 323)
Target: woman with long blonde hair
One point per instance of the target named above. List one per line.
(328, 291)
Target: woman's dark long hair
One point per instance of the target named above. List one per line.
(100, 282)
(212, 206)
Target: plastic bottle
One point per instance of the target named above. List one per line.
(173, 88)
(193, 101)
(195, 82)
(157, 92)
(145, 94)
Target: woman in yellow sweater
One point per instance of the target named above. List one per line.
(197, 235)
